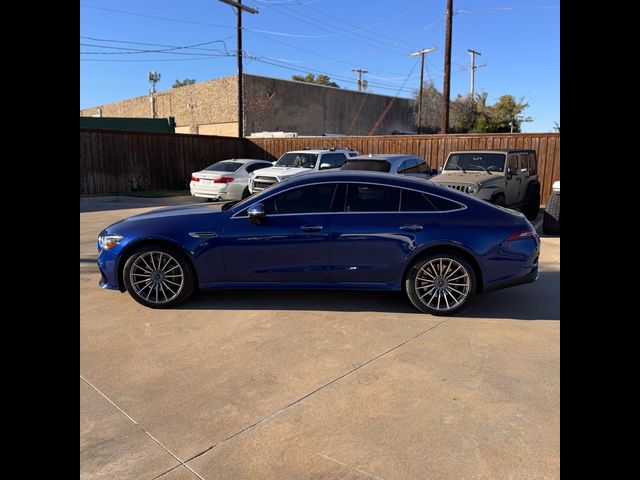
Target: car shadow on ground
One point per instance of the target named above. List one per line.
(536, 301)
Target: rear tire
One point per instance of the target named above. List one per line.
(532, 208)
(551, 221)
(158, 276)
(440, 284)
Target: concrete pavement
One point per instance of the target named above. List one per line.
(258, 384)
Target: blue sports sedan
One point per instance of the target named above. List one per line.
(330, 230)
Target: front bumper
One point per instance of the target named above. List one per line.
(108, 265)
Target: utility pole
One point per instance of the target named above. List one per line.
(362, 84)
(422, 54)
(447, 68)
(238, 5)
(473, 68)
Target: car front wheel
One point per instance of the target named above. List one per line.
(440, 284)
(158, 276)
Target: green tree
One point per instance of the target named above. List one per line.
(319, 80)
(182, 83)
(556, 127)
(506, 113)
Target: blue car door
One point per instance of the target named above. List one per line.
(373, 237)
(291, 244)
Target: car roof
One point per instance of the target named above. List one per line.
(382, 157)
(504, 150)
(242, 160)
(356, 176)
(320, 150)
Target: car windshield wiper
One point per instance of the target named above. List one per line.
(460, 168)
(480, 166)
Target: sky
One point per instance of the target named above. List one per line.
(519, 42)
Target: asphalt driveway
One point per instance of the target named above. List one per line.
(316, 385)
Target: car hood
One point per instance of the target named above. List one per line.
(175, 213)
(281, 172)
(468, 178)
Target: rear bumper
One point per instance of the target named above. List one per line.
(512, 282)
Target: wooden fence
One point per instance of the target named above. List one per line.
(119, 161)
(123, 161)
(433, 148)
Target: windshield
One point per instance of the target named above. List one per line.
(223, 167)
(301, 160)
(476, 162)
(371, 165)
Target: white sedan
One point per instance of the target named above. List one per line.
(225, 180)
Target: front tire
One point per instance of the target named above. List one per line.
(440, 284)
(158, 276)
(246, 193)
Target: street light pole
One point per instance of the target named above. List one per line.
(238, 5)
(422, 54)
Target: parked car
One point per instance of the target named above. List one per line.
(508, 178)
(225, 180)
(331, 230)
(390, 163)
(551, 220)
(297, 162)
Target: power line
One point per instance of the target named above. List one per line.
(125, 12)
(281, 64)
(111, 40)
(333, 34)
(130, 51)
(375, 127)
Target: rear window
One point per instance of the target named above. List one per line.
(369, 165)
(413, 201)
(533, 170)
(224, 167)
(442, 204)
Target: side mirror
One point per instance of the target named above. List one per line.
(439, 169)
(435, 171)
(511, 172)
(256, 214)
(324, 166)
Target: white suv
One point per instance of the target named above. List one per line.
(297, 162)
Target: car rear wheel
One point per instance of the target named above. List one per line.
(440, 284)
(158, 276)
(551, 221)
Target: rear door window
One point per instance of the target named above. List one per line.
(533, 167)
(366, 197)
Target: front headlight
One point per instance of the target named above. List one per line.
(472, 189)
(107, 242)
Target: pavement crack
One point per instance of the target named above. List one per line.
(321, 387)
(350, 467)
(142, 428)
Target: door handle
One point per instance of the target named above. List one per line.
(311, 228)
(411, 228)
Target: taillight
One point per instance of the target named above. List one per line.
(522, 234)
(223, 180)
(194, 179)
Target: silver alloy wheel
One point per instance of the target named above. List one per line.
(156, 277)
(442, 284)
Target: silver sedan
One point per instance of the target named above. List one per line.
(225, 180)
